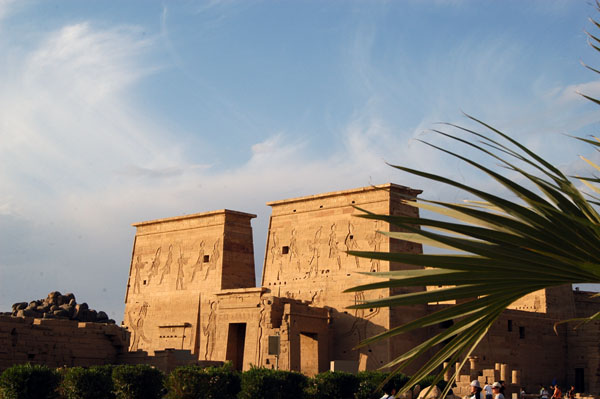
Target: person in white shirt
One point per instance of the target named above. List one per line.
(544, 393)
(496, 386)
(488, 391)
(389, 392)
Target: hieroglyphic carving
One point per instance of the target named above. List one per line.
(155, 265)
(334, 252)
(197, 267)
(316, 297)
(294, 249)
(275, 253)
(136, 322)
(210, 330)
(167, 267)
(375, 242)
(181, 261)
(351, 244)
(139, 265)
(214, 258)
(315, 252)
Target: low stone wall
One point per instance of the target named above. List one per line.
(58, 343)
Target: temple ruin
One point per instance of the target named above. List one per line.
(191, 298)
(192, 286)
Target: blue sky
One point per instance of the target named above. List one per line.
(118, 112)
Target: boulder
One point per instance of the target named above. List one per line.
(56, 305)
(42, 308)
(61, 313)
(102, 316)
(68, 308)
(53, 297)
(19, 306)
(92, 315)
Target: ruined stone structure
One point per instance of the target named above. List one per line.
(58, 342)
(191, 286)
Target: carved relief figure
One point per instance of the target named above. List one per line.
(139, 265)
(315, 253)
(136, 322)
(181, 261)
(197, 267)
(351, 244)
(361, 321)
(275, 253)
(261, 323)
(294, 249)
(210, 330)
(155, 265)
(274, 250)
(375, 242)
(334, 252)
(167, 267)
(214, 258)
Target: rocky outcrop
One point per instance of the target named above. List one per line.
(58, 306)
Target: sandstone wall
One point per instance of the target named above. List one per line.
(526, 341)
(175, 262)
(584, 346)
(58, 343)
(305, 259)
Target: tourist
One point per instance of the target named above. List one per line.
(557, 392)
(522, 393)
(497, 390)
(488, 390)
(543, 392)
(475, 390)
(389, 391)
(571, 392)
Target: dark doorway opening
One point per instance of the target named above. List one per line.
(236, 338)
(580, 379)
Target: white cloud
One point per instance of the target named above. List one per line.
(572, 93)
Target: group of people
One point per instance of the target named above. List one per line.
(494, 391)
(556, 392)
